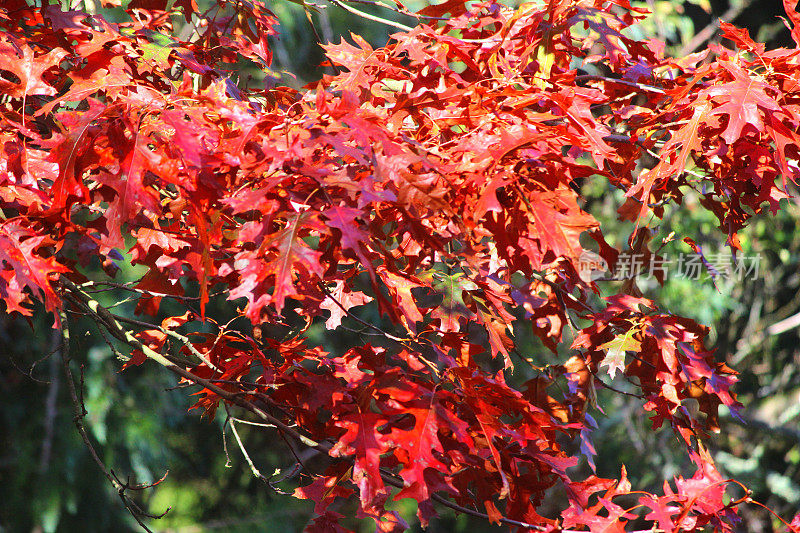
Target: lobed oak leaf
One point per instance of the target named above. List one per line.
(488, 399)
(615, 352)
(454, 7)
(340, 301)
(386, 521)
(575, 103)
(324, 490)
(791, 7)
(662, 511)
(156, 285)
(488, 201)
(329, 521)
(676, 152)
(286, 255)
(355, 59)
(353, 238)
(452, 308)
(29, 69)
(30, 270)
(365, 444)
(745, 99)
(69, 182)
(499, 341)
(614, 360)
(704, 494)
(557, 226)
(787, 141)
(164, 241)
(133, 197)
(419, 445)
(400, 290)
(72, 20)
(12, 294)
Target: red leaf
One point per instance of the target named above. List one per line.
(133, 197)
(365, 444)
(353, 237)
(29, 270)
(676, 151)
(745, 100)
(28, 68)
(290, 254)
(559, 224)
(400, 289)
(791, 11)
(795, 524)
(69, 182)
(340, 301)
(324, 490)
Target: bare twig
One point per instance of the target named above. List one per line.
(628, 83)
(80, 412)
(126, 286)
(784, 325)
(373, 18)
(50, 404)
(256, 472)
(781, 431)
(706, 33)
(29, 373)
(756, 339)
(362, 322)
(319, 39)
(100, 314)
(184, 340)
(405, 12)
(614, 389)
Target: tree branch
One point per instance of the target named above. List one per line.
(373, 18)
(80, 412)
(706, 33)
(100, 313)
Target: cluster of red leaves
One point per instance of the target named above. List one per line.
(438, 174)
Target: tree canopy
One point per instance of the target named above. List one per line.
(429, 195)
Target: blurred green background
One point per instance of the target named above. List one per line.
(141, 426)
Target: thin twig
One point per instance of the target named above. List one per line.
(335, 67)
(373, 18)
(117, 330)
(250, 422)
(29, 373)
(628, 83)
(102, 315)
(754, 423)
(404, 342)
(609, 387)
(756, 339)
(360, 321)
(184, 340)
(124, 286)
(397, 10)
(98, 312)
(51, 404)
(80, 412)
(256, 472)
(706, 33)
